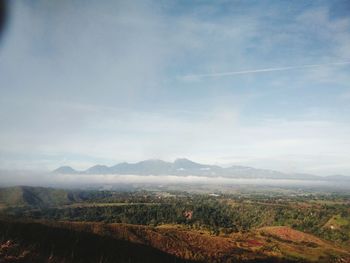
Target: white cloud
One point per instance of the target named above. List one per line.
(213, 137)
(98, 82)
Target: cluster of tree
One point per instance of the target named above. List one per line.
(218, 214)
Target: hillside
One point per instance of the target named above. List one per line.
(272, 244)
(33, 196)
(200, 227)
(43, 196)
(36, 243)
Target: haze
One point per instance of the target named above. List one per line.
(257, 83)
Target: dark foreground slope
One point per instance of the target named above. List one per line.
(98, 242)
(268, 244)
(34, 242)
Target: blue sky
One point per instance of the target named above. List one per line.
(86, 82)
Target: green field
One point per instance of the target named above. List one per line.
(307, 226)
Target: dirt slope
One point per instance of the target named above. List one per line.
(269, 244)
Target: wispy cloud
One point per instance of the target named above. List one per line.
(262, 70)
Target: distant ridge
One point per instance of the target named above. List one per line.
(65, 170)
(337, 178)
(98, 169)
(186, 167)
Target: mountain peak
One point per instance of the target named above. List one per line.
(184, 167)
(98, 169)
(65, 170)
(186, 163)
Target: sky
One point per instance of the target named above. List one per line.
(256, 83)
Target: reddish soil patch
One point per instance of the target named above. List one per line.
(289, 234)
(254, 243)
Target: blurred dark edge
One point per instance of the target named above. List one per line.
(3, 16)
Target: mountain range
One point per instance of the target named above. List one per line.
(185, 167)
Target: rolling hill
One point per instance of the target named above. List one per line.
(44, 196)
(38, 243)
(33, 196)
(170, 243)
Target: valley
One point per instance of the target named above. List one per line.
(198, 227)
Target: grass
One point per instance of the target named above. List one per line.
(296, 244)
(337, 222)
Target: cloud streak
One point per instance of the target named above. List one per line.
(264, 70)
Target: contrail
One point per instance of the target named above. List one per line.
(232, 73)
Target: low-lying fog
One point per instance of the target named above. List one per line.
(11, 178)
